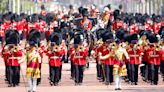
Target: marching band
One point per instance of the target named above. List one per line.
(122, 44)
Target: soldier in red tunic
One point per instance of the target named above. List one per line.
(107, 58)
(54, 54)
(118, 24)
(13, 53)
(79, 59)
(156, 25)
(85, 23)
(135, 59)
(133, 27)
(154, 56)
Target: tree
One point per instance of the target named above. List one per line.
(3, 5)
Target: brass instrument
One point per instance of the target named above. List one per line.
(157, 47)
(112, 45)
(80, 48)
(137, 46)
(55, 49)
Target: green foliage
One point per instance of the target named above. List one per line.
(3, 6)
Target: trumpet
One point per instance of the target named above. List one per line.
(157, 47)
(137, 46)
(80, 48)
(112, 45)
(55, 49)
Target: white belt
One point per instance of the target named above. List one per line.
(134, 55)
(14, 57)
(54, 57)
(78, 57)
(154, 55)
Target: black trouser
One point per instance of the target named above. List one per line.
(54, 74)
(60, 72)
(50, 73)
(103, 72)
(1, 39)
(149, 72)
(154, 73)
(14, 75)
(133, 73)
(6, 72)
(72, 70)
(79, 70)
(99, 70)
(109, 73)
(39, 79)
(128, 70)
(162, 68)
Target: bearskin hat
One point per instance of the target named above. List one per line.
(56, 39)
(153, 38)
(85, 12)
(34, 37)
(127, 38)
(108, 37)
(134, 38)
(12, 37)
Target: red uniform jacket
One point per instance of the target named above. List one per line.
(2, 31)
(79, 58)
(31, 26)
(5, 57)
(118, 24)
(135, 56)
(51, 29)
(42, 26)
(156, 27)
(13, 57)
(154, 56)
(86, 25)
(133, 29)
(148, 26)
(109, 61)
(21, 26)
(71, 56)
(54, 58)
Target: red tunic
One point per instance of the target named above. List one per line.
(54, 58)
(148, 26)
(133, 29)
(154, 56)
(135, 56)
(2, 31)
(156, 27)
(42, 26)
(13, 58)
(162, 56)
(79, 58)
(86, 24)
(118, 24)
